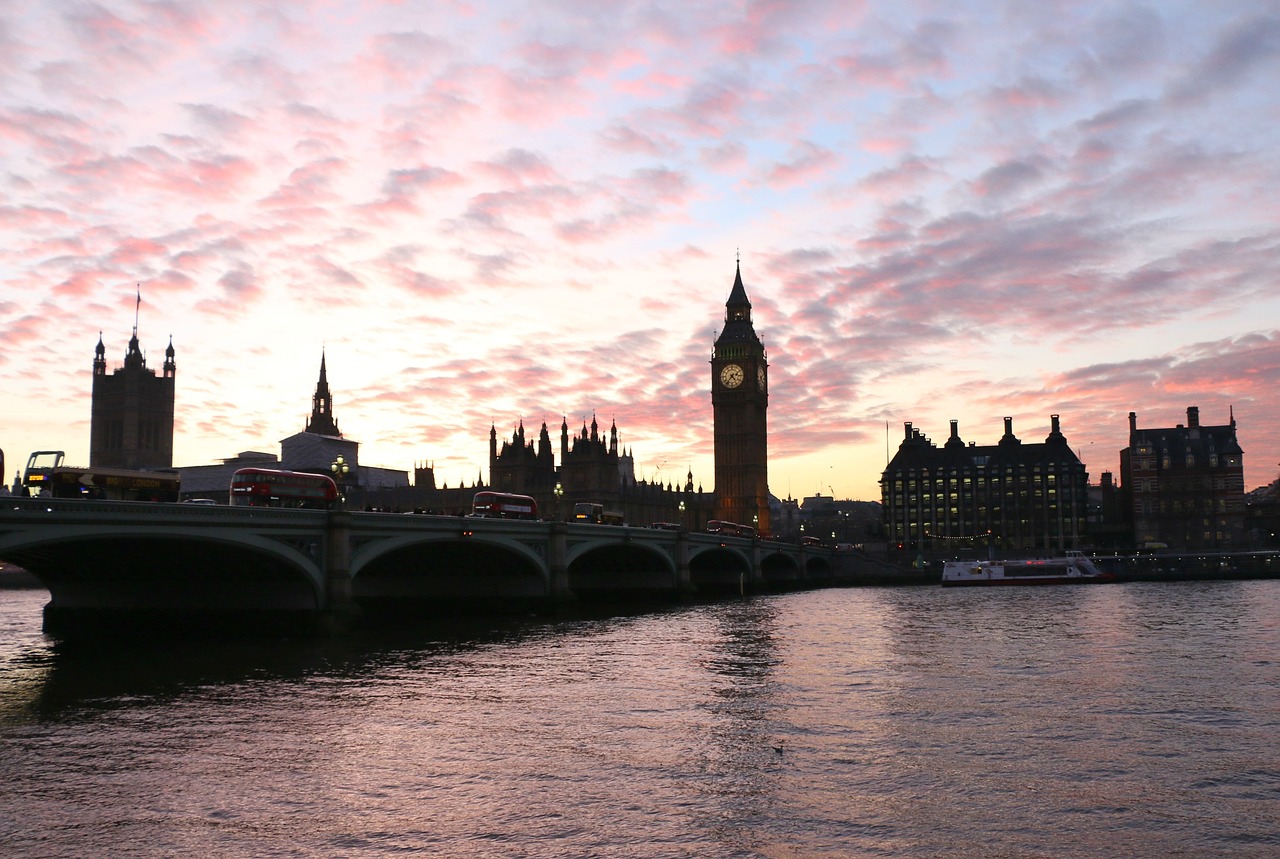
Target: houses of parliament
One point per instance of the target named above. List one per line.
(133, 428)
(1180, 487)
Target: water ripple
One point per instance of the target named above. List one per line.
(1119, 720)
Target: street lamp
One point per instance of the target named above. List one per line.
(340, 470)
(682, 524)
(559, 493)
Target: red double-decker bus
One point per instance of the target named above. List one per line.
(503, 505)
(730, 529)
(266, 487)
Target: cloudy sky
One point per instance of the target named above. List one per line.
(492, 212)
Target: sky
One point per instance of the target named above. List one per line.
(493, 213)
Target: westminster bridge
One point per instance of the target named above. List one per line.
(123, 562)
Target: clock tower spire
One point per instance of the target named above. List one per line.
(739, 402)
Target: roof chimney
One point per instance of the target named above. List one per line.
(1193, 416)
(1055, 432)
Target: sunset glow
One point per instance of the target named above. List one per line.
(487, 213)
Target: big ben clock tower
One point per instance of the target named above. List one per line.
(739, 401)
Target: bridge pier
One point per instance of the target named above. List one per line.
(684, 578)
(338, 608)
(558, 592)
(756, 585)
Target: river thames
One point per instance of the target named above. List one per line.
(1110, 720)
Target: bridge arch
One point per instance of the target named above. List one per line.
(721, 567)
(604, 569)
(441, 569)
(818, 569)
(780, 570)
(138, 569)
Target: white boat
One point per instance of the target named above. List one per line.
(1072, 569)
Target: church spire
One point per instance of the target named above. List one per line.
(321, 421)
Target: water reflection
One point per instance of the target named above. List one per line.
(1117, 720)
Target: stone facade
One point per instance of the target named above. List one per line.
(1008, 496)
(131, 424)
(1185, 485)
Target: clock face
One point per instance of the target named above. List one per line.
(731, 376)
(760, 377)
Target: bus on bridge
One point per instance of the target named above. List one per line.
(503, 505)
(269, 487)
(730, 529)
(47, 476)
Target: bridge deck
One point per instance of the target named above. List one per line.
(134, 558)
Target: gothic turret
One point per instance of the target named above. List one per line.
(170, 366)
(321, 421)
(100, 358)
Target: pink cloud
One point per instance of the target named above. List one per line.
(155, 169)
(530, 98)
(808, 162)
(84, 283)
(219, 120)
(625, 138)
(1249, 46)
(519, 166)
(871, 70)
(710, 109)
(307, 185)
(1009, 177)
(401, 60)
(1028, 94)
(12, 217)
(652, 85)
(726, 156)
(24, 330)
(133, 252)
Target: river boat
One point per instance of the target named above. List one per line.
(1072, 569)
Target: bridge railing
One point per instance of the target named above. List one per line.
(154, 509)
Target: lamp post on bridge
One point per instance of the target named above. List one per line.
(340, 470)
(559, 493)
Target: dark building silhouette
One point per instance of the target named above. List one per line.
(131, 423)
(1262, 516)
(322, 448)
(322, 421)
(320, 443)
(1006, 496)
(1185, 485)
(520, 466)
(1110, 525)
(740, 402)
(592, 468)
